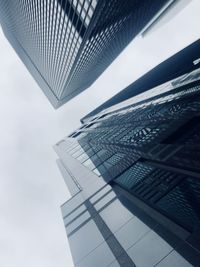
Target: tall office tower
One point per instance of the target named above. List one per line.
(67, 44)
(134, 174)
(175, 66)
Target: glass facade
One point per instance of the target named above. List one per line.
(61, 41)
(175, 66)
(147, 150)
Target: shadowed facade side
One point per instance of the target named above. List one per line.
(133, 171)
(177, 65)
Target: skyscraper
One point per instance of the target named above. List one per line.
(67, 44)
(133, 171)
(173, 67)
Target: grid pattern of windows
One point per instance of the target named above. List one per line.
(71, 42)
(118, 22)
(155, 129)
(187, 134)
(134, 175)
(148, 151)
(159, 120)
(183, 203)
(51, 32)
(175, 195)
(85, 9)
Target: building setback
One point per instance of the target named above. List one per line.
(134, 174)
(67, 44)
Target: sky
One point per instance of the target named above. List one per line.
(31, 188)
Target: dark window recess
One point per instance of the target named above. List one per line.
(174, 195)
(94, 119)
(76, 134)
(71, 134)
(82, 127)
(73, 16)
(103, 116)
(186, 158)
(188, 133)
(133, 175)
(89, 125)
(183, 203)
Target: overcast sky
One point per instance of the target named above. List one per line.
(32, 233)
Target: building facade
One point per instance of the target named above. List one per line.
(67, 44)
(134, 174)
(173, 67)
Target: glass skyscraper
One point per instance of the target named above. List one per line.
(171, 68)
(67, 44)
(133, 171)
